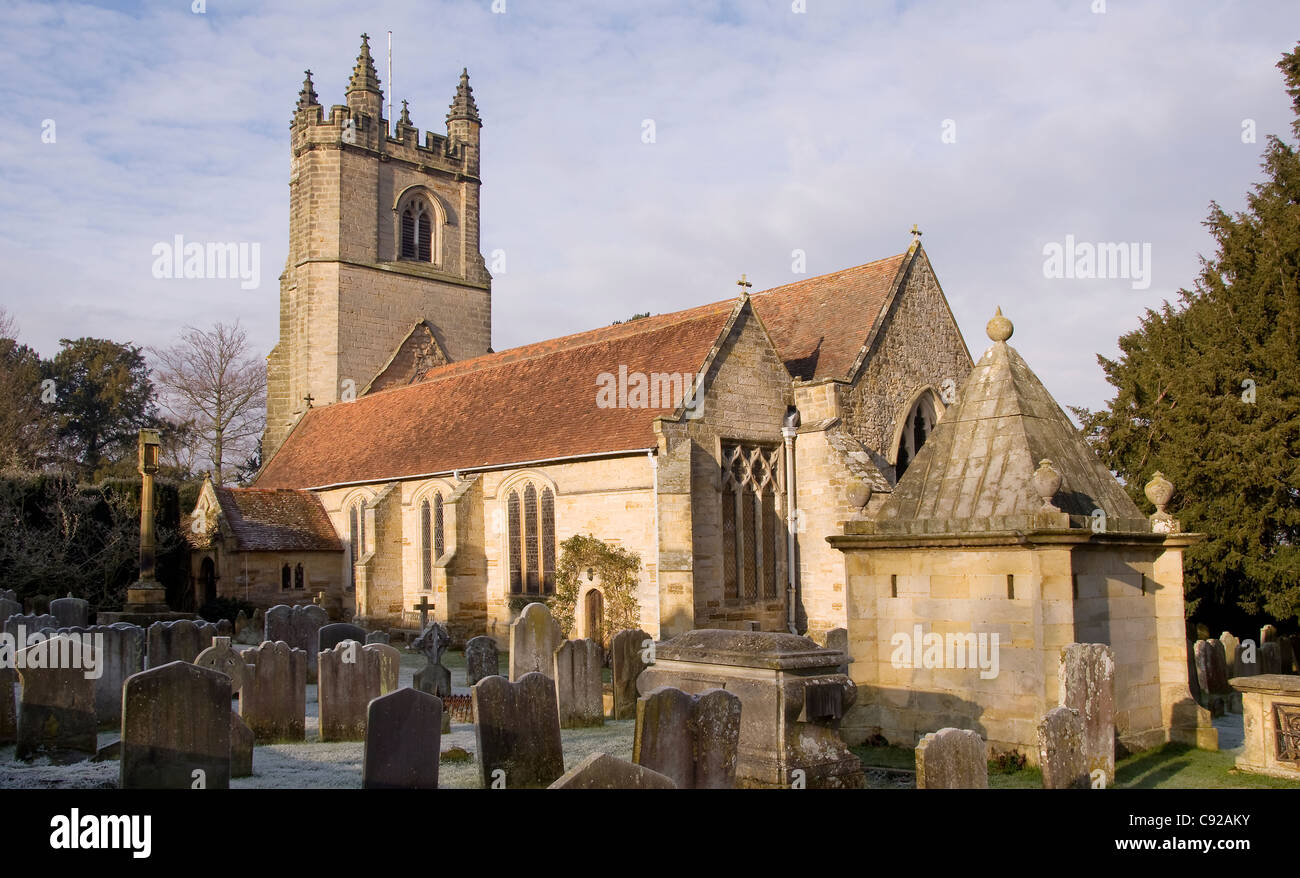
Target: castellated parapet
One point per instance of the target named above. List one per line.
(383, 235)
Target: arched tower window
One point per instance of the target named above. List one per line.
(417, 231)
(916, 429)
(530, 521)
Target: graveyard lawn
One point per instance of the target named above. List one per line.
(1173, 766)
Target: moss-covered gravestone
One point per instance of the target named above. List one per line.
(176, 729)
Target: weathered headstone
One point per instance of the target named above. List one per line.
(628, 656)
(56, 716)
(8, 594)
(517, 726)
(838, 639)
(9, 608)
(331, 635)
(241, 747)
(220, 657)
(1193, 678)
(8, 707)
(534, 638)
(37, 605)
(224, 628)
(119, 649)
(1268, 634)
(1247, 663)
(21, 626)
(1288, 655)
(274, 699)
(390, 664)
(1231, 648)
(1270, 657)
(1087, 685)
(1060, 750)
(692, 739)
(71, 612)
(952, 759)
(578, 687)
(481, 659)
(378, 637)
(349, 681)
(1212, 675)
(176, 729)
(433, 678)
(403, 741)
(603, 772)
(178, 641)
(300, 628)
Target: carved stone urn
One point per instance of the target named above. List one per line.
(1047, 481)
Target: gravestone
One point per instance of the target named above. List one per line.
(178, 641)
(481, 659)
(274, 698)
(1288, 655)
(1212, 675)
(534, 638)
(9, 608)
(119, 648)
(300, 628)
(71, 612)
(403, 741)
(349, 681)
(378, 637)
(517, 726)
(1060, 750)
(26, 625)
(241, 747)
(8, 594)
(1270, 657)
(1086, 675)
(176, 729)
(1193, 680)
(1231, 650)
(838, 639)
(223, 628)
(1268, 634)
(603, 772)
(627, 655)
(56, 715)
(241, 622)
(578, 687)
(38, 605)
(390, 664)
(692, 739)
(8, 707)
(433, 678)
(220, 657)
(333, 634)
(952, 759)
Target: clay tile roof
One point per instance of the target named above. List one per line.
(533, 403)
(277, 520)
(538, 402)
(820, 324)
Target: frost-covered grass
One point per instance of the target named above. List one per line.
(314, 765)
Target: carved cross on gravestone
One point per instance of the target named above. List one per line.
(424, 607)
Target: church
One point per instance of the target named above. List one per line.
(768, 456)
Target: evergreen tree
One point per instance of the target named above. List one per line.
(1208, 392)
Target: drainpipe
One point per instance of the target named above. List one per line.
(788, 430)
(659, 576)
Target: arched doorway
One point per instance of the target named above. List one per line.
(593, 614)
(207, 582)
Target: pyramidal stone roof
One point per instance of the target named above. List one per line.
(976, 471)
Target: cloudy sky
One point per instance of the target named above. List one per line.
(999, 129)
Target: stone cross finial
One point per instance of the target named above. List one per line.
(308, 399)
(744, 285)
(916, 233)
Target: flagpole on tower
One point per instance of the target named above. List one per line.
(390, 75)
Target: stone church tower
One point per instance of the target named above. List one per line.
(383, 249)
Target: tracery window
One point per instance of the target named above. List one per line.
(916, 429)
(530, 542)
(754, 546)
(417, 231)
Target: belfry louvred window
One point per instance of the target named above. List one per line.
(754, 545)
(417, 232)
(530, 540)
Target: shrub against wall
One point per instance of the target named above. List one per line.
(615, 568)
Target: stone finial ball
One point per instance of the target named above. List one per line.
(999, 328)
